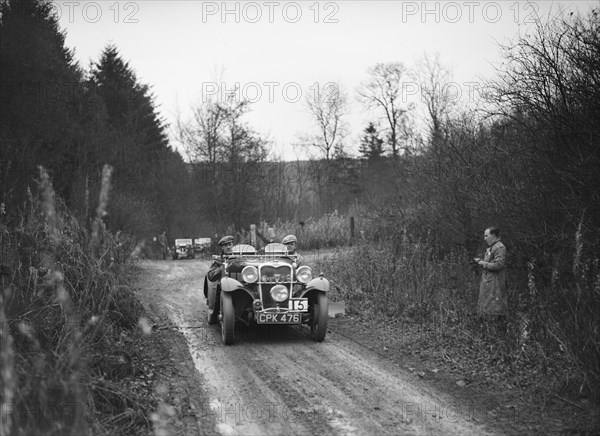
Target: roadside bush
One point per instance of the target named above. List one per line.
(559, 323)
(63, 307)
(331, 230)
(397, 277)
(553, 328)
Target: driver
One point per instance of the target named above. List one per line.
(290, 241)
(216, 269)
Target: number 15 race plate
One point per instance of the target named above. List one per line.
(278, 318)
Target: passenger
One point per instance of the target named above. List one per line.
(290, 241)
(216, 269)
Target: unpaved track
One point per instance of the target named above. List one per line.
(275, 380)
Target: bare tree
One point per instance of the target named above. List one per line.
(434, 81)
(225, 153)
(200, 136)
(328, 107)
(383, 90)
(549, 92)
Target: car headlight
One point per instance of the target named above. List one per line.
(279, 293)
(250, 274)
(304, 274)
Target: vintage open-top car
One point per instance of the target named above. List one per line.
(183, 248)
(202, 244)
(268, 287)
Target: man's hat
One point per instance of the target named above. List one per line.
(288, 239)
(226, 240)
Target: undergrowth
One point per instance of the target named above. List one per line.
(553, 331)
(330, 230)
(65, 306)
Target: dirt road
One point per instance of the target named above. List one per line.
(275, 380)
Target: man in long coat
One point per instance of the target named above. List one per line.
(493, 300)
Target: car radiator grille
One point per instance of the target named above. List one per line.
(270, 276)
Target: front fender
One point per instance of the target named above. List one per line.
(229, 285)
(317, 284)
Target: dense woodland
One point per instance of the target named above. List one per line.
(525, 158)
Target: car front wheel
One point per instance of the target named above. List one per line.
(320, 314)
(227, 318)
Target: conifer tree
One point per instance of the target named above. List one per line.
(137, 147)
(138, 132)
(41, 91)
(371, 145)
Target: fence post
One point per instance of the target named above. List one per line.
(253, 235)
(351, 230)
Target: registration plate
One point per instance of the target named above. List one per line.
(278, 318)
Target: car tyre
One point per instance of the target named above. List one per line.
(320, 315)
(227, 318)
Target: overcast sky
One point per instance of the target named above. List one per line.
(277, 50)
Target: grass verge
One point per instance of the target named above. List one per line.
(68, 319)
(421, 310)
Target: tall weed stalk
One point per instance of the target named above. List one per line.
(552, 327)
(62, 307)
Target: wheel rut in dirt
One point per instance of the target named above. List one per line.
(277, 380)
